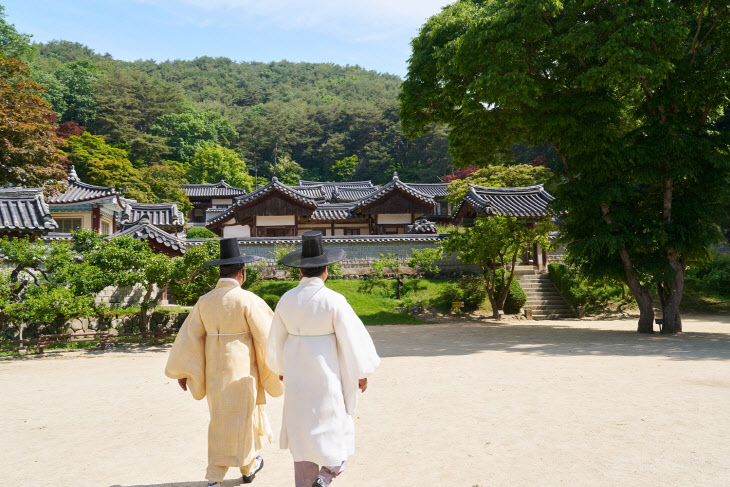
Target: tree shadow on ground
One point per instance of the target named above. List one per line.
(544, 339)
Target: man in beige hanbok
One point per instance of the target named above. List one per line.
(220, 352)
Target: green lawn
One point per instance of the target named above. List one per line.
(373, 300)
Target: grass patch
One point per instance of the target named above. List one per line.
(373, 300)
(700, 301)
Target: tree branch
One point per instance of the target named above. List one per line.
(697, 33)
(712, 27)
(648, 92)
(704, 116)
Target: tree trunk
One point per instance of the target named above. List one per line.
(491, 280)
(673, 294)
(148, 305)
(399, 285)
(641, 294)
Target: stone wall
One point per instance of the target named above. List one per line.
(125, 324)
(361, 250)
(123, 295)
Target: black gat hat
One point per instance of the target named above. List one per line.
(231, 254)
(313, 253)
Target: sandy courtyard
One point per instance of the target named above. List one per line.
(575, 403)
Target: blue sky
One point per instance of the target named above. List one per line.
(374, 34)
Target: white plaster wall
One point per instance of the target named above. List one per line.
(274, 221)
(222, 201)
(237, 231)
(395, 218)
(84, 215)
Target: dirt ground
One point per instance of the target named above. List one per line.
(521, 403)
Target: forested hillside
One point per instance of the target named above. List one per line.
(303, 115)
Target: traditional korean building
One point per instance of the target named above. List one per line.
(24, 212)
(529, 203)
(83, 205)
(158, 239)
(356, 208)
(206, 197)
(165, 216)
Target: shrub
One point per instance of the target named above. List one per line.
(516, 298)
(271, 299)
(424, 260)
(473, 292)
(711, 277)
(200, 232)
(582, 291)
(334, 270)
(279, 252)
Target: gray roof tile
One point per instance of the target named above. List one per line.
(528, 201)
(146, 231)
(24, 210)
(394, 185)
(160, 214)
(212, 190)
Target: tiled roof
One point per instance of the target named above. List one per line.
(336, 191)
(24, 210)
(434, 190)
(524, 201)
(345, 184)
(146, 231)
(274, 185)
(78, 192)
(159, 214)
(333, 211)
(394, 185)
(344, 239)
(212, 190)
(421, 226)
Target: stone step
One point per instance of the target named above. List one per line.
(544, 295)
(552, 317)
(551, 308)
(531, 303)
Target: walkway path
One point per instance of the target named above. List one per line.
(558, 403)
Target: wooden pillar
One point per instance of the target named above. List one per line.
(96, 219)
(254, 230)
(332, 229)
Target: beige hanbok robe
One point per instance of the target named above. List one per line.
(221, 350)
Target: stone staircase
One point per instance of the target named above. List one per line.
(543, 296)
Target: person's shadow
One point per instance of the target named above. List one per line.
(196, 483)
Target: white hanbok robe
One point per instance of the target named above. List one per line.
(321, 347)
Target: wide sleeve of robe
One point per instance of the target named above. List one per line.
(187, 357)
(258, 316)
(355, 350)
(275, 347)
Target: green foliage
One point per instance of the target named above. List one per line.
(79, 80)
(344, 170)
(631, 96)
(190, 279)
(189, 130)
(101, 164)
(594, 294)
(200, 232)
(313, 113)
(386, 263)
(287, 171)
(271, 299)
(213, 163)
(712, 277)
(279, 252)
(424, 260)
(499, 177)
(164, 181)
(35, 294)
(128, 104)
(469, 289)
(493, 242)
(13, 44)
(334, 270)
(516, 297)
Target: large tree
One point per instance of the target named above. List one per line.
(627, 93)
(28, 143)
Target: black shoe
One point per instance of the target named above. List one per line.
(247, 479)
(318, 482)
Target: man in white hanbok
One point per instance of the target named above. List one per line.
(325, 354)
